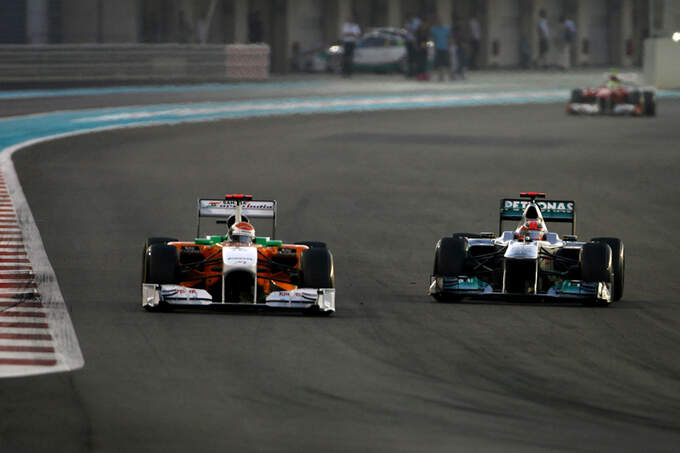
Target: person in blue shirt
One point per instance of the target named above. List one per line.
(441, 35)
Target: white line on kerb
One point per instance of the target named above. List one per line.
(61, 328)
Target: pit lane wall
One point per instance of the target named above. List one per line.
(133, 63)
(661, 63)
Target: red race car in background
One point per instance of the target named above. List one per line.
(619, 95)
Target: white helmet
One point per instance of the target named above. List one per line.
(242, 233)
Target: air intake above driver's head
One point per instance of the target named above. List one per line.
(531, 213)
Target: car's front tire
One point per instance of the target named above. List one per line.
(618, 265)
(596, 265)
(317, 268)
(449, 256)
(160, 263)
(650, 103)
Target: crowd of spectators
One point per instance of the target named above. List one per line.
(456, 48)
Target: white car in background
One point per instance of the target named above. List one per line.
(379, 50)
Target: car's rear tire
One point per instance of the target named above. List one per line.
(650, 103)
(576, 96)
(449, 256)
(635, 97)
(618, 265)
(317, 268)
(466, 235)
(603, 103)
(158, 240)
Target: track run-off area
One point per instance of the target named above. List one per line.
(393, 370)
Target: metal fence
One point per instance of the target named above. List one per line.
(132, 63)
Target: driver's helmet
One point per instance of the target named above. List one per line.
(532, 229)
(614, 81)
(242, 233)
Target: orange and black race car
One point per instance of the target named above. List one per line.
(238, 269)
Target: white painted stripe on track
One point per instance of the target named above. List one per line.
(28, 331)
(18, 342)
(18, 309)
(297, 104)
(26, 355)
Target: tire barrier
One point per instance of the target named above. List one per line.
(247, 61)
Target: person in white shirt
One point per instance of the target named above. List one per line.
(350, 35)
(568, 36)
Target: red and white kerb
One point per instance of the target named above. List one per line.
(25, 338)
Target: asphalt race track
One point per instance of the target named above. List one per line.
(393, 370)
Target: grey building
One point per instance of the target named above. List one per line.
(609, 32)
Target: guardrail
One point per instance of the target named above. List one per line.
(132, 62)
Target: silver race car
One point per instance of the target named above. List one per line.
(529, 262)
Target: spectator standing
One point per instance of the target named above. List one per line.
(524, 53)
(350, 35)
(422, 37)
(459, 46)
(543, 39)
(475, 37)
(441, 35)
(255, 29)
(411, 27)
(184, 31)
(569, 32)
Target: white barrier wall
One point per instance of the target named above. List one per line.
(660, 63)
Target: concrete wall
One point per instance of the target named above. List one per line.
(661, 68)
(664, 17)
(92, 21)
(305, 24)
(598, 30)
(607, 30)
(80, 21)
(121, 21)
(37, 15)
(503, 21)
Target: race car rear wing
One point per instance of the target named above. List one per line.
(625, 77)
(552, 211)
(226, 209)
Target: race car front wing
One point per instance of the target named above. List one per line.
(312, 299)
(594, 109)
(464, 286)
